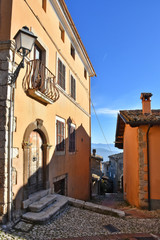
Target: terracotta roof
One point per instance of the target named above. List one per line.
(97, 157)
(116, 156)
(134, 118)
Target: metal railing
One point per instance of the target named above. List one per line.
(39, 77)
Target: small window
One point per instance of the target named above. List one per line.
(85, 73)
(62, 32)
(61, 74)
(72, 137)
(73, 88)
(44, 5)
(72, 51)
(38, 73)
(59, 135)
(37, 53)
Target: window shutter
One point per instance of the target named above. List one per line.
(71, 139)
(63, 74)
(73, 88)
(59, 75)
(60, 136)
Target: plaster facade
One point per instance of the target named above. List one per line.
(25, 114)
(135, 168)
(115, 171)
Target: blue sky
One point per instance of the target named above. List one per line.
(122, 38)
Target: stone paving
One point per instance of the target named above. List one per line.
(78, 223)
(115, 201)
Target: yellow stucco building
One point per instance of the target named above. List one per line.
(45, 122)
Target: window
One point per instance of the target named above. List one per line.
(61, 74)
(73, 88)
(85, 73)
(60, 135)
(72, 137)
(62, 32)
(38, 74)
(44, 5)
(72, 51)
(37, 53)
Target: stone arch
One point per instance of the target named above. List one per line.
(38, 126)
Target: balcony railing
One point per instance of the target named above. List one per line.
(39, 83)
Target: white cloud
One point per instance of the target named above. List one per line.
(107, 111)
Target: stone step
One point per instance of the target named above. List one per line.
(35, 197)
(95, 207)
(42, 203)
(47, 213)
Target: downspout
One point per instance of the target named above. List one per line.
(148, 166)
(10, 155)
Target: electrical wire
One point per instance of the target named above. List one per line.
(100, 126)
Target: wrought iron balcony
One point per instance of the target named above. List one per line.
(39, 83)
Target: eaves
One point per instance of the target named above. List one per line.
(69, 26)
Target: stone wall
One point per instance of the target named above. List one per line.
(5, 103)
(143, 175)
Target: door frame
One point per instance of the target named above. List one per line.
(38, 126)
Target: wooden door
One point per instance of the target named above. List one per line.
(35, 164)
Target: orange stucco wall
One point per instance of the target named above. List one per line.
(136, 166)
(154, 146)
(131, 165)
(27, 110)
(25, 17)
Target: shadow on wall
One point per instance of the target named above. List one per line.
(67, 172)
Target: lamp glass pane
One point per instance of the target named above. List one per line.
(18, 42)
(27, 41)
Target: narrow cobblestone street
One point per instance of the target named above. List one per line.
(79, 224)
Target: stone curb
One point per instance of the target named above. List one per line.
(94, 207)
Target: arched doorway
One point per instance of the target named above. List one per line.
(36, 158)
(35, 163)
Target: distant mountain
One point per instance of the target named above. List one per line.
(105, 150)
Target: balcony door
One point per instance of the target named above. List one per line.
(35, 164)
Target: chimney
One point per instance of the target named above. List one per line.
(94, 152)
(146, 102)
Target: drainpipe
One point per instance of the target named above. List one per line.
(148, 165)
(10, 154)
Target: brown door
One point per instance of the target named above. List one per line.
(35, 165)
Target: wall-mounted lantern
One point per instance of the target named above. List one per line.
(24, 43)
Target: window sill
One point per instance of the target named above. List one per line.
(72, 153)
(59, 153)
